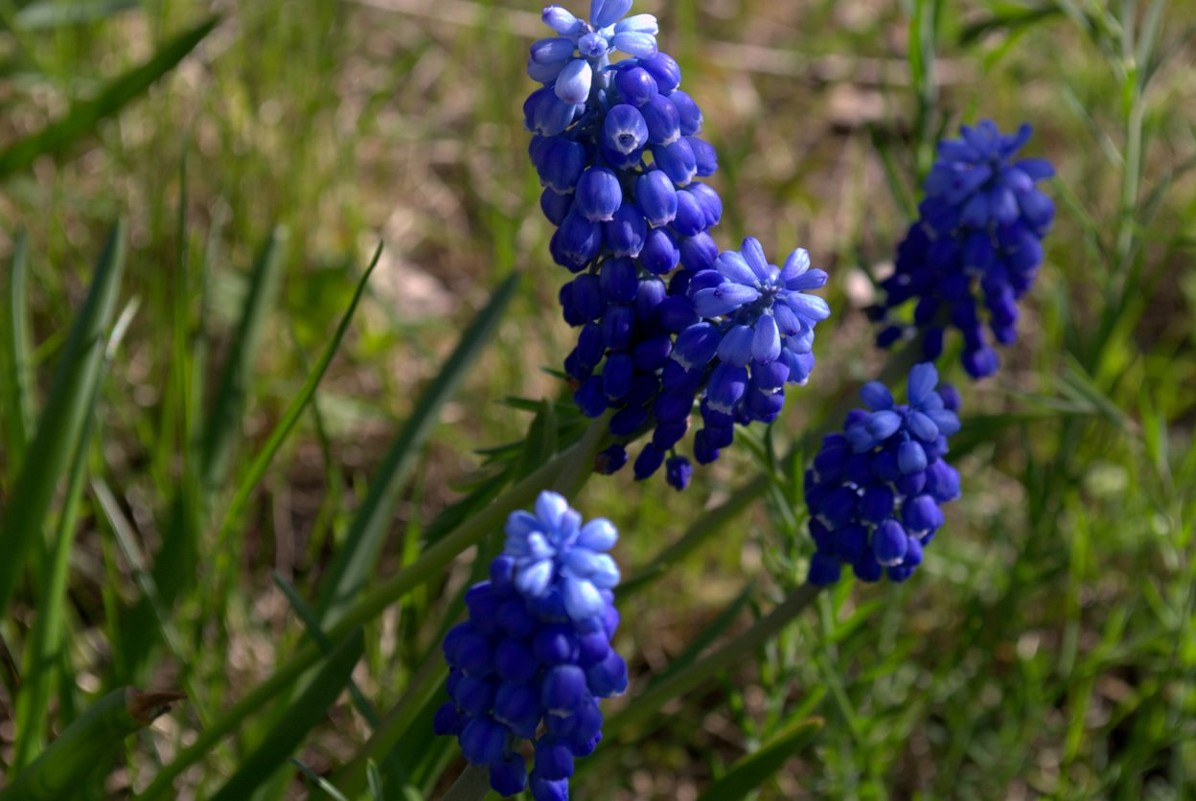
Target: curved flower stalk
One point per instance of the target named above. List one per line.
(977, 242)
(534, 656)
(874, 490)
(617, 149)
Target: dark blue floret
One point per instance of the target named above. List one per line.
(874, 491)
(975, 249)
(534, 656)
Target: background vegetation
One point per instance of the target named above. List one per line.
(1047, 648)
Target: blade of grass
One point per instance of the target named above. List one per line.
(43, 654)
(253, 476)
(58, 137)
(753, 770)
(62, 419)
(646, 704)
(16, 358)
(357, 558)
(47, 15)
(93, 740)
(304, 713)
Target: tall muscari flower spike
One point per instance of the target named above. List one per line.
(978, 240)
(874, 490)
(535, 656)
(617, 150)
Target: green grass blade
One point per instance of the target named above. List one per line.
(647, 703)
(223, 426)
(16, 358)
(57, 138)
(62, 419)
(253, 476)
(43, 653)
(755, 768)
(304, 713)
(47, 14)
(94, 739)
(356, 559)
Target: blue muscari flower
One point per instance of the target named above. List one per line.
(874, 490)
(978, 240)
(618, 153)
(535, 656)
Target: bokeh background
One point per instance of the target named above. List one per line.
(1047, 648)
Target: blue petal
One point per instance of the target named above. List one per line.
(753, 254)
(638, 23)
(736, 346)
(876, 395)
(554, 49)
(604, 573)
(923, 427)
(922, 379)
(811, 307)
(788, 322)
(533, 580)
(735, 268)
(598, 535)
(723, 299)
(860, 438)
(795, 265)
(766, 344)
(608, 12)
(581, 598)
(561, 21)
(520, 524)
(550, 508)
(573, 84)
(883, 424)
(946, 421)
(640, 45)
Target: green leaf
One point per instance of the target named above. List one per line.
(57, 138)
(1007, 19)
(357, 557)
(62, 420)
(304, 713)
(253, 476)
(94, 739)
(754, 769)
(16, 360)
(223, 426)
(49, 14)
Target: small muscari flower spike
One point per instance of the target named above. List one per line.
(978, 241)
(874, 490)
(535, 655)
(617, 149)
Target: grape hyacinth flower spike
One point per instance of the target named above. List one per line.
(535, 656)
(874, 490)
(978, 241)
(617, 150)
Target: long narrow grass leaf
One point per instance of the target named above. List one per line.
(253, 476)
(303, 714)
(356, 559)
(62, 419)
(57, 138)
(16, 358)
(753, 770)
(93, 740)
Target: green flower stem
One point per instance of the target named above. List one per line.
(648, 703)
(567, 473)
(95, 738)
(471, 785)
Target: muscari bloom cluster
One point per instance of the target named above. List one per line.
(874, 490)
(666, 321)
(978, 241)
(535, 656)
